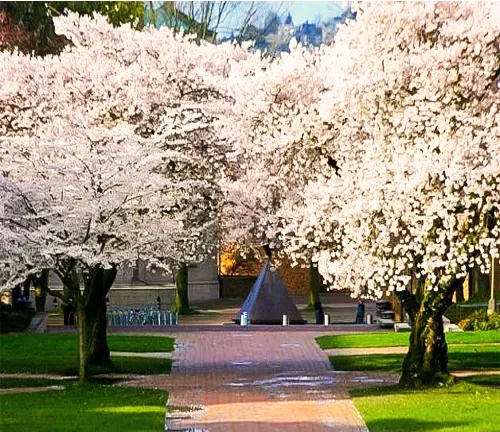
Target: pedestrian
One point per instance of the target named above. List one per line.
(360, 311)
(319, 313)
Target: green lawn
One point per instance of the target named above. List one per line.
(460, 357)
(80, 409)
(29, 382)
(470, 406)
(58, 353)
(374, 340)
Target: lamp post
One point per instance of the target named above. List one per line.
(492, 307)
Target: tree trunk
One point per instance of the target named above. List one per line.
(426, 362)
(82, 344)
(41, 285)
(91, 310)
(314, 285)
(181, 293)
(470, 290)
(96, 316)
(26, 288)
(460, 294)
(480, 284)
(16, 294)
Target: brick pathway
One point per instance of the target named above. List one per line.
(259, 380)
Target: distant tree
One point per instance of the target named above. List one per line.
(29, 25)
(271, 24)
(209, 20)
(199, 18)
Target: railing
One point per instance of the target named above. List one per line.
(142, 317)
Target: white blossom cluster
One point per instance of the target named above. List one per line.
(384, 148)
(377, 157)
(109, 152)
(270, 126)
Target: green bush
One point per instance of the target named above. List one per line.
(456, 312)
(12, 320)
(481, 320)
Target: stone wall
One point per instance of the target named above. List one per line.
(128, 297)
(138, 286)
(296, 279)
(236, 286)
(203, 281)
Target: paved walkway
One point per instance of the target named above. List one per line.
(250, 380)
(365, 351)
(30, 389)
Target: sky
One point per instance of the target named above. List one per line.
(313, 11)
(302, 11)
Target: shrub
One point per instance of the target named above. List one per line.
(457, 312)
(12, 320)
(481, 320)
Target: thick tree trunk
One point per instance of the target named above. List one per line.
(96, 316)
(82, 345)
(91, 311)
(181, 293)
(426, 362)
(314, 285)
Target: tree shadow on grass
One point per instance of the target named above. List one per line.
(474, 359)
(372, 362)
(411, 424)
(484, 358)
(461, 387)
(483, 380)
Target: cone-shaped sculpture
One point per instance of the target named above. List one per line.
(269, 300)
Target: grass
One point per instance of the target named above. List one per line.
(143, 343)
(63, 342)
(58, 354)
(466, 407)
(375, 340)
(462, 357)
(81, 409)
(136, 365)
(28, 382)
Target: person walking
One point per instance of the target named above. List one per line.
(360, 311)
(319, 313)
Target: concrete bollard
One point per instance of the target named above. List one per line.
(286, 321)
(244, 319)
(327, 320)
(368, 319)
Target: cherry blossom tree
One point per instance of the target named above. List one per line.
(413, 115)
(108, 155)
(391, 183)
(269, 127)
